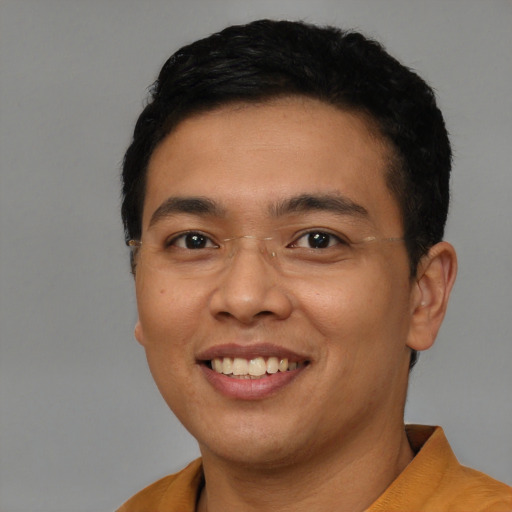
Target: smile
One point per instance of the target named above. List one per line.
(255, 368)
(253, 371)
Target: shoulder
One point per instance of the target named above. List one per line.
(456, 487)
(435, 481)
(469, 489)
(174, 492)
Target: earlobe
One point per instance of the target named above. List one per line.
(429, 300)
(138, 333)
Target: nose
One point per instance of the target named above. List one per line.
(250, 288)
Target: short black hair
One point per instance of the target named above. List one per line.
(266, 59)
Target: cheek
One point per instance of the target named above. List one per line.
(168, 312)
(360, 308)
(168, 324)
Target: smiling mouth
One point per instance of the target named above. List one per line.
(255, 368)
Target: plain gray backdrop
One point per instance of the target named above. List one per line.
(82, 425)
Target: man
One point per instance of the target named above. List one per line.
(285, 196)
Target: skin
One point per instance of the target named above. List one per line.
(333, 437)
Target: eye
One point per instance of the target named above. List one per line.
(191, 240)
(317, 240)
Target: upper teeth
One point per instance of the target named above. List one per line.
(254, 367)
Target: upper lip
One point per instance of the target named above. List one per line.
(249, 352)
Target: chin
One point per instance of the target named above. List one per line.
(254, 454)
(260, 446)
(250, 443)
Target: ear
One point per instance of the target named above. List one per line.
(139, 335)
(429, 299)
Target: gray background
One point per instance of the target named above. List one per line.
(82, 425)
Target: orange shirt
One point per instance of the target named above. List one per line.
(433, 482)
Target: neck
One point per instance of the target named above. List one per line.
(346, 479)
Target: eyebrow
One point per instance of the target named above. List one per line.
(201, 206)
(304, 203)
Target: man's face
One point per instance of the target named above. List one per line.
(312, 179)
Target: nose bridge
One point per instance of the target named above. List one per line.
(265, 246)
(249, 284)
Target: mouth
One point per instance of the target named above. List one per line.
(254, 368)
(251, 372)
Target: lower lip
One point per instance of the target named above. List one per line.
(250, 389)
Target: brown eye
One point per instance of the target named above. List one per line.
(191, 240)
(317, 240)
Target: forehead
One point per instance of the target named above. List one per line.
(247, 156)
